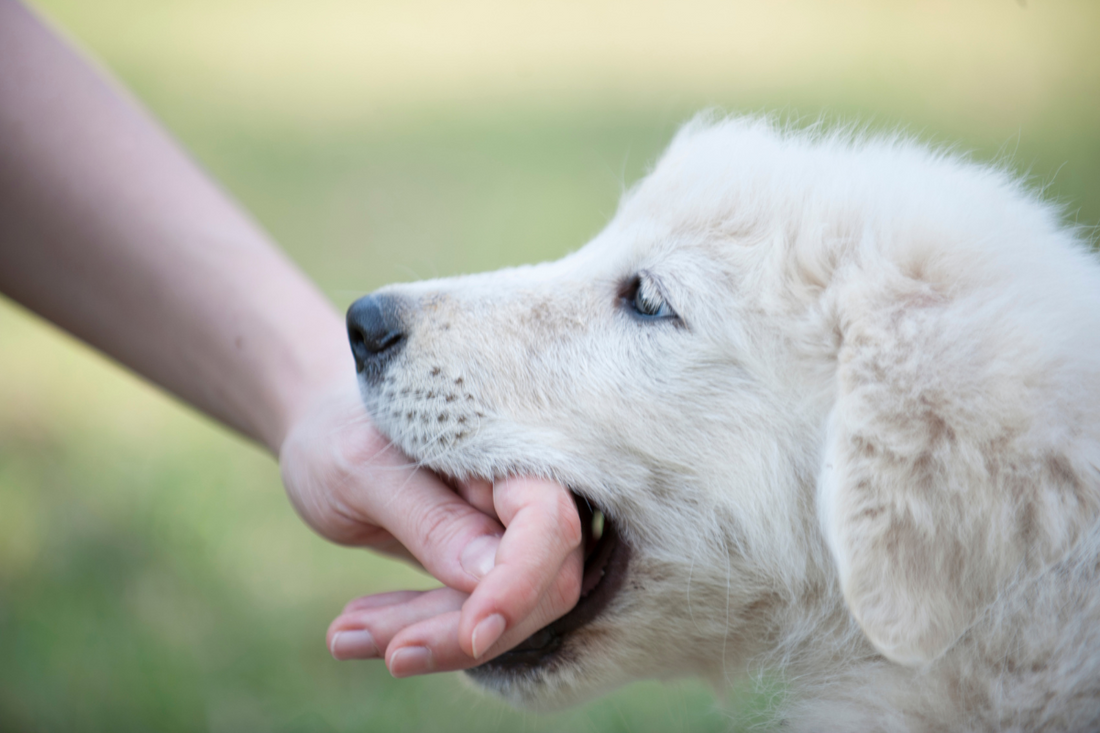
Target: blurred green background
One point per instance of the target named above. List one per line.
(152, 574)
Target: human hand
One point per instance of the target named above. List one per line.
(353, 487)
(529, 586)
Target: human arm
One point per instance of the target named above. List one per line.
(110, 231)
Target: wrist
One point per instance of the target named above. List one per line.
(327, 375)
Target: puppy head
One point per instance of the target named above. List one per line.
(765, 314)
(608, 372)
(634, 372)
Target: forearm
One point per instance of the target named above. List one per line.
(110, 231)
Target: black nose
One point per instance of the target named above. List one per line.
(375, 332)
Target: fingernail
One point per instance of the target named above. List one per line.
(411, 660)
(486, 634)
(353, 645)
(480, 555)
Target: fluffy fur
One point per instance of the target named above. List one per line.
(862, 456)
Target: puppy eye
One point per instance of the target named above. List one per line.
(646, 300)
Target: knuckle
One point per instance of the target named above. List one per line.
(436, 524)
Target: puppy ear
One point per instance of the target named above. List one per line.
(930, 497)
(912, 564)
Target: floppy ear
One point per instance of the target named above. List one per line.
(914, 568)
(930, 496)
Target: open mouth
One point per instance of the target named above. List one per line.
(606, 557)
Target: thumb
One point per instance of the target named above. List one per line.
(352, 486)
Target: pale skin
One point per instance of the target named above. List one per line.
(110, 231)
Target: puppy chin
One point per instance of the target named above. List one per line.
(580, 672)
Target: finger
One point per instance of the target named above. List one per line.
(539, 564)
(378, 600)
(426, 624)
(478, 493)
(432, 645)
(387, 544)
(452, 540)
(429, 646)
(364, 632)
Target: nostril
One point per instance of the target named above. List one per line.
(355, 336)
(375, 330)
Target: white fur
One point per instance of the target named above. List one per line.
(864, 460)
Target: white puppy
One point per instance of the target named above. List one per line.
(839, 401)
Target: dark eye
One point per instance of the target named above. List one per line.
(645, 299)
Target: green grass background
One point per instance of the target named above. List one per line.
(152, 575)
